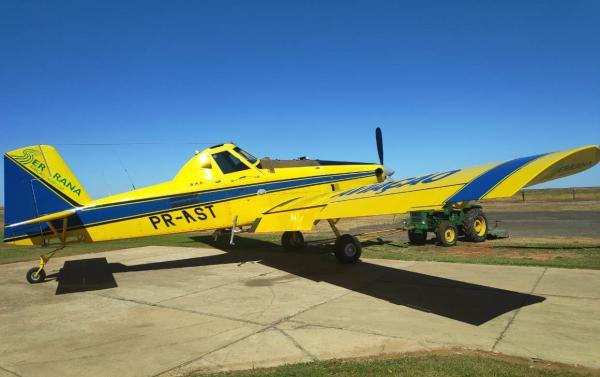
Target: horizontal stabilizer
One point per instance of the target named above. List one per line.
(46, 218)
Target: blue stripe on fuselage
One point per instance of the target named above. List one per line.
(117, 211)
(478, 187)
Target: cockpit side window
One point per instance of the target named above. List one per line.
(228, 163)
(251, 159)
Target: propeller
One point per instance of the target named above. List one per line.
(379, 140)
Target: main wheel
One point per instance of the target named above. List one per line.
(475, 225)
(34, 278)
(447, 233)
(417, 238)
(292, 241)
(347, 249)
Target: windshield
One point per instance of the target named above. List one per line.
(228, 163)
(251, 159)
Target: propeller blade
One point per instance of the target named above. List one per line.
(379, 139)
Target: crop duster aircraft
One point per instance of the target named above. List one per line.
(224, 188)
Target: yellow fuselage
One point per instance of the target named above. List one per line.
(203, 197)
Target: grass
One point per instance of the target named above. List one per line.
(11, 253)
(561, 194)
(546, 254)
(476, 364)
(559, 255)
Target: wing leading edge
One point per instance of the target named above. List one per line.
(429, 192)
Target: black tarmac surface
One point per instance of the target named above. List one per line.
(535, 224)
(548, 224)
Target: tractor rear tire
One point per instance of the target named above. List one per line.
(475, 225)
(447, 234)
(347, 249)
(417, 238)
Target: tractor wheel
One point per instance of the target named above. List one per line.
(447, 234)
(475, 225)
(292, 241)
(417, 238)
(347, 249)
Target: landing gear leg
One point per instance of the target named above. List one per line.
(333, 227)
(37, 274)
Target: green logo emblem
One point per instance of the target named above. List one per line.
(30, 157)
(67, 184)
(27, 157)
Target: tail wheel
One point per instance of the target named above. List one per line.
(35, 275)
(347, 249)
(475, 225)
(447, 233)
(292, 241)
(417, 238)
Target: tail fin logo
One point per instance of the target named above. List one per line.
(27, 157)
(43, 163)
(67, 184)
(31, 157)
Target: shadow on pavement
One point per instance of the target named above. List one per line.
(465, 302)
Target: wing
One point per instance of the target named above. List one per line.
(429, 192)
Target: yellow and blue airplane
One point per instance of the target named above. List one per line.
(225, 188)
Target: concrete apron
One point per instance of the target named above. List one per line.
(168, 310)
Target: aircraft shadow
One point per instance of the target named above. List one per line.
(461, 301)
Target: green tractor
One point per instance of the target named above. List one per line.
(448, 224)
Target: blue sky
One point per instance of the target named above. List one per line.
(452, 83)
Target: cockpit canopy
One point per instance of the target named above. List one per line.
(215, 162)
(230, 161)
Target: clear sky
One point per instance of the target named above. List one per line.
(452, 83)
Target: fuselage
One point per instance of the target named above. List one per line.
(218, 186)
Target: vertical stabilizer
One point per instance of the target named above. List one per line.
(38, 182)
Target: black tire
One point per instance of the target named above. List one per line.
(417, 238)
(347, 249)
(32, 279)
(475, 225)
(446, 234)
(292, 240)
